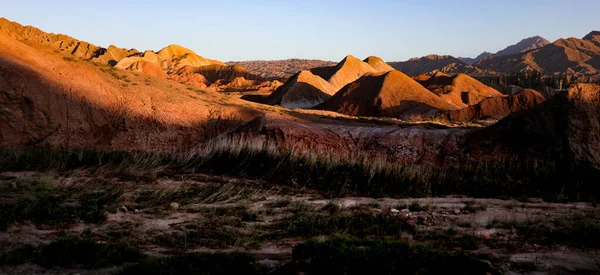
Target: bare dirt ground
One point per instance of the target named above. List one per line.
(190, 213)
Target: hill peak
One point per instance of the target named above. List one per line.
(175, 50)
(534, 38)
(349, 59)
(526, 44)
(373, 59)
(594, 37)
(378, 64)
(591, 35)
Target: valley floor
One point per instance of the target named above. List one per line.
(86, 221)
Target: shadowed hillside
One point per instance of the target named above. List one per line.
(498, 107)
(564, 127)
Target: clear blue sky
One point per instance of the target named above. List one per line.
(326, 29)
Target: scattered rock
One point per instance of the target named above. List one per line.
(174, 206)
(386, 211)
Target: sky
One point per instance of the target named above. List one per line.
(236, 30)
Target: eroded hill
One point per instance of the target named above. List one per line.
(172, 62)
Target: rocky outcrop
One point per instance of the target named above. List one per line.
(146, 67)
(498, 107)
(565, 127)
(174, 57)
(413, 145)
(112, 55)
(189, 76)
(265, 86)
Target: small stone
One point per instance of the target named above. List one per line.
(456, 211)
(136, 211)
(404, 211)
(174, 205)
(395, 212)
(14, 185)
(123, 209)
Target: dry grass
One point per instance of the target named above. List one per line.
(337, 174)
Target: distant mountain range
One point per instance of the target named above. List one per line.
(576, 57)
(280, 68)
(431, 63)
(524, 45)
(414, 66)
